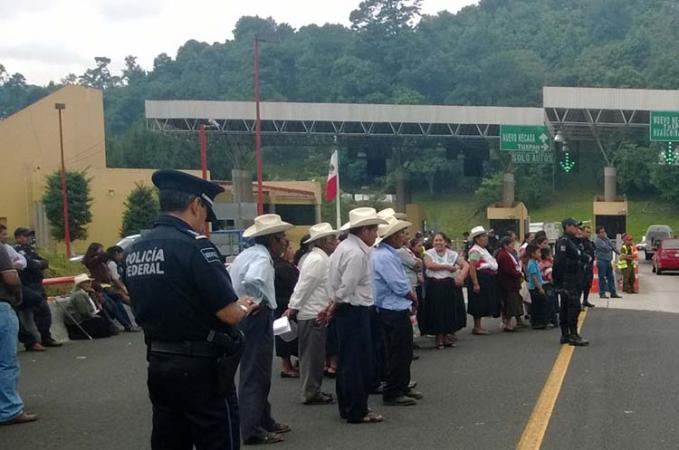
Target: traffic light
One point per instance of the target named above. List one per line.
(568, 158)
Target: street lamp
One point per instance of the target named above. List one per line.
(64, 195)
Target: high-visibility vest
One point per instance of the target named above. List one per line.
(622, 262)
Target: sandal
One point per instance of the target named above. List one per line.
(440, 347)
(289, 374)
(280, 428)
(330, 373)
(371, 417)
(480, 332)
(267, 438)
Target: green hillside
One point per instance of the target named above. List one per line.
(456, 213)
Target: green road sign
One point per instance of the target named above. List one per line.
(516, 138)
(532, 157)
(664, 126)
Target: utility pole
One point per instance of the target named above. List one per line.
(64, 194)
(258, 135)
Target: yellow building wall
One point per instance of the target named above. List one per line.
(29, 147)
(29, 150)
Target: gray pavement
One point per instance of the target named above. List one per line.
(618, 393)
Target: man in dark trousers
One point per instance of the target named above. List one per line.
(568, 275)
(253, 274)
(588, 249)
(35, 298)
(184, 301)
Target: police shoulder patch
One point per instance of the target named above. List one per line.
(210, 254)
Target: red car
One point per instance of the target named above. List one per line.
(667, 256)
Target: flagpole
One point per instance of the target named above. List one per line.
(339, 192)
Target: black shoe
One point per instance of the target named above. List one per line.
(414, 394)
(268, 438)
(578, 341)
(589, 305)
(400, 401)
(603, 296)
(280, 428)
(565, 339)
(616, 296)
(51, 343)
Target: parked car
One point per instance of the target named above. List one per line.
(125, 243)
(666, 256)
(651, 240)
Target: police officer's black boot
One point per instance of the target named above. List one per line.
(565, 334)
(576, 340)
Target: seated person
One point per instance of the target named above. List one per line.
(83, 313)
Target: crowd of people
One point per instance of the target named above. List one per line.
(354, 296)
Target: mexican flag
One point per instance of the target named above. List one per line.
(331, 187)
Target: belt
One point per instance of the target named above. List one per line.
(186, 348)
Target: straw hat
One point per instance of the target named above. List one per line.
(362, 217)
(390, 212)
(477, 231)
(266, 224)
(392, 226)
(320, 230)
(78, 279)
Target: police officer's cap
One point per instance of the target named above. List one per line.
(570, 221)
(27, 232)
(183, 182)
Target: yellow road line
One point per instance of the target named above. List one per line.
(534, 433)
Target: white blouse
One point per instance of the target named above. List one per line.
(448, 258)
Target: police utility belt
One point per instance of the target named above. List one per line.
(216, 344)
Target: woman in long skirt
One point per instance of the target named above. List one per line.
(509, 277)
(443, 311)
(285, 281)
(483, 297)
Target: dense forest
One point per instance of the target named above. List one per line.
(499, 52)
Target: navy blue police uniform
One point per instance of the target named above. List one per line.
(34, 294)
(177, 283)
(568, 275)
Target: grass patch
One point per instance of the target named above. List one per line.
(455, 213)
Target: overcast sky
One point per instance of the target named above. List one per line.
(47, 39)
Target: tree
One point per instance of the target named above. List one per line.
(387, 16)
(100, 76)
(427, 163)
(79, 204)
(631, 161)
(141, 209)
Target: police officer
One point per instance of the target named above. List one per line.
(568, 274)
(587, 247)
(184, 301)
(35, 299)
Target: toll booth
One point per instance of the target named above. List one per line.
(611, 215)
(503, 219)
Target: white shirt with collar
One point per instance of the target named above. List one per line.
(310, 296)
(18, 260)
(350, 273)
(252, 274)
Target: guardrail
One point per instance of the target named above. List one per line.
(57, 280)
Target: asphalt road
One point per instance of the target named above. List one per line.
(620, 392)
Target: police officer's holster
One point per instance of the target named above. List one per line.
(227, 348)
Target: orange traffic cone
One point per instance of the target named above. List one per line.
(595, 281)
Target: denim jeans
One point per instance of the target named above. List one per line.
(10, 402)
(606, 279)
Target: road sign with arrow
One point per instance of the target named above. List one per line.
(519, 138)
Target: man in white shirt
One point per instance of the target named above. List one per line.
(350, 286)
(309, 298)
(252, 274)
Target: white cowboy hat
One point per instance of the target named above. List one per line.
(393, 225)
(78, 279)
(477, 231)
(320, 230)
(266, 224)
(362, 217)
(390, 212)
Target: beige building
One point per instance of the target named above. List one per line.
(29, 148)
